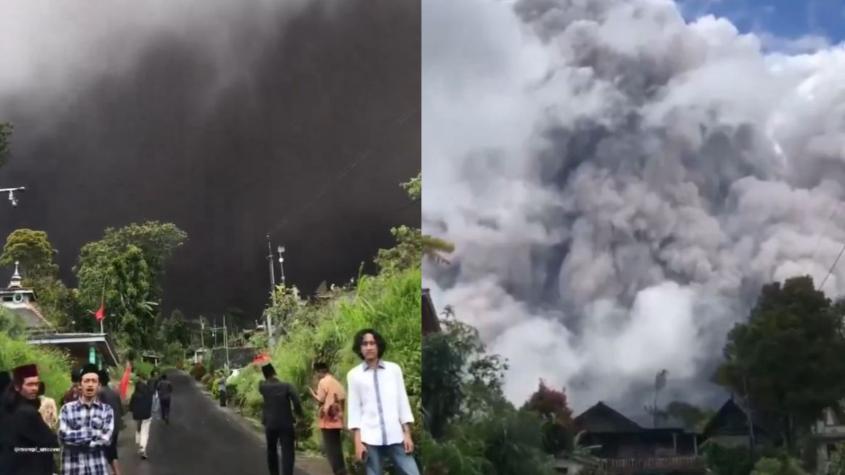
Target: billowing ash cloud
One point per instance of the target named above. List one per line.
(230, 119)
(619, 183)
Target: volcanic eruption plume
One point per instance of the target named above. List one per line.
(619, 183)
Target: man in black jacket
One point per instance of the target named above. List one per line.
(5, 382)
(29, 444)
(278, 420)
(141, 405)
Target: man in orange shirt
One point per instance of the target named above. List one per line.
(330, 396)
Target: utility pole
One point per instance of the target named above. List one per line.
(272, 292)
(202, 330)
(226, 342)
(281, 251)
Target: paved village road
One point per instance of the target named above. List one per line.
(201, 439)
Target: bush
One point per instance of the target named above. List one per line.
(198, 372)
(174, 354)
(10, 324)
(53, 366)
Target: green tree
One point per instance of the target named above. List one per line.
(34, 252)
(553, 408)
(458, 377)
(174, 354)
(425, 245)
(414, 187)
(513, 445)
(789, 358)
(177, 329)
(156, 241)
(56, 301)
(132, 284)
(5, 133)
(287, 304)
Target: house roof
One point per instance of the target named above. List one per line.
(30, 316)
(731, 420)
(603, 418)
(430, 322)
(78, 343)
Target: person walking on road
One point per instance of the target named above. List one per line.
(141, 405)
(221, 389)
(330, 397)
(378, 411)
(85, 428)
(110, 397)
(280, 402)
(164, 389)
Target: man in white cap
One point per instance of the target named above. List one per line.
(85, 429)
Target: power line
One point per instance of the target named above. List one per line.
(832, 267)
(325, 189)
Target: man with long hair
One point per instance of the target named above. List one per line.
(378, 410)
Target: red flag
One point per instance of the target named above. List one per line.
(260, 359)
(124, 381)
(101, 312)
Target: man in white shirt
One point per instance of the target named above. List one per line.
(378, 411)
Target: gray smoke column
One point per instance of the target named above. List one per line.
(619, 183)
(230, 119)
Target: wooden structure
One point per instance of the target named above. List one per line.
(625, 447)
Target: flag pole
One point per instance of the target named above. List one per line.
(102, 302)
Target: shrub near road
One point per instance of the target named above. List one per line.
(53, 366)
(324, 330)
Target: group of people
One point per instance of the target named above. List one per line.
(378, 412)
(84, 431)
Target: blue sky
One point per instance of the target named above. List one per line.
(783, 18)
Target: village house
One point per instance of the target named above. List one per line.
(625, 447)
(80, 347)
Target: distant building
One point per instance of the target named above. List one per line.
(626, 447)
(828, 433)
(80, 347)
(23, 303)
(730, 428)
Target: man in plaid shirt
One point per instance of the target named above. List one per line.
(85, 429)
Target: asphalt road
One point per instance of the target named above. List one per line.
(201, 439)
